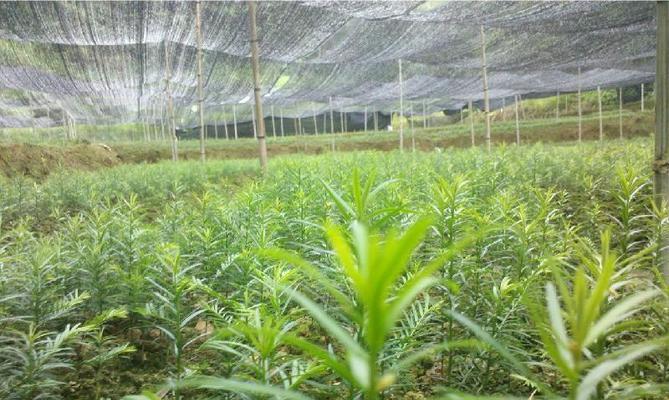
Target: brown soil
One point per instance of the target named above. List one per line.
(38, 161)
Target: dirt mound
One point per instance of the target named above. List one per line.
(38, 161)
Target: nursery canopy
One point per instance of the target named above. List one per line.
(104, 62)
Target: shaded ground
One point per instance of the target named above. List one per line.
(38, 161)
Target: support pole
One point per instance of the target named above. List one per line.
(413, 136)
(253, 122)
(557, 106)
(365, 119)
(234, 119)
(620, 112)
(504, 108)
(262, 146)
(281, 121)
(580, 112)
(661, 163)
(642, 98)
(200, 96)
(225, 124)
(376, 121)
(332, 131)
(162, 120)
(515, 100)
(486, 100)
(325, 123)
(399, 62)
(273, 123)
(471, 122)
(341, 119)
(425, 117)
(216, 128)
(601, 122)
(313, 111)
(172, 124)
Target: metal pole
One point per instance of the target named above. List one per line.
(601, 123)
(376, 121)
(580, 112)
(642, 98)
(200, 96)
(486, 100)
(281, 121)
(661, 163)
(262, 146)
(401, 106)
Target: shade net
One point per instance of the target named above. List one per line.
(107, 62)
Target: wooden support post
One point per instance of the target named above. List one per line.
(642, 98)
(413, 136)
(262, 146)
(332, 131)
(601, 121)
(365, 119)
(503, 108)
(234, 119)
(580, 112)
(313, 111)
(471, 122)
(515, 100)
(225, 124)
(424, 116)
(253, 122)
(557, 106)
(281, 121)
(486, 100)
(661, 163)
(200, 96)
(401, 116)
(273, 123)
(620, 112)
(162, 120)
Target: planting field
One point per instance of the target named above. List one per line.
(522, 273)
